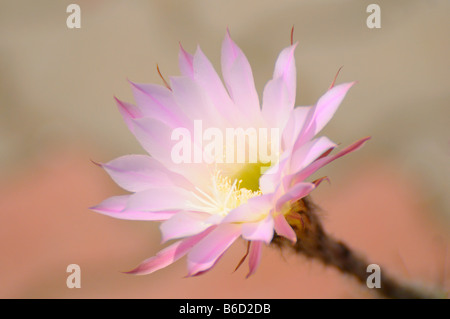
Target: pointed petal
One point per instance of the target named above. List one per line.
(279, 93)
(282, 228)
(116, 207)
(155, 137)
(157, 102)
(168, 255)
(270, 180)
(185, 61)
(160, 199)
(141, 215)
(184, 224)
(204, 255)
(309, 170)
(254, 210)
(294, 125)
(327, 105)
(308, 152)
(136, 173)
(276, 105)
(254, 257)
(262, 230)
(192, 99)
(112, 204)
(238, 78)
(286, 70)
(296, 192)
(206, 270)
(207, 77)
(128, 111)
(323, 111)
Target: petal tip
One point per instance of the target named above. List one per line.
(228, 32)
(129, 81)
(131, 272)
(97, 163)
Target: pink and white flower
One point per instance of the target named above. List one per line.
(206, 206)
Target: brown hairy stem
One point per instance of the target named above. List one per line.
(314, 242)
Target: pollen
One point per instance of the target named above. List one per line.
(225, 195)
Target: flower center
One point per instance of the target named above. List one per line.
(249, 175)
(233, 184)
(226, 194)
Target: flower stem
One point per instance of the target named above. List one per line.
(314, 242)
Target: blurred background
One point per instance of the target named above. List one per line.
(389, 200)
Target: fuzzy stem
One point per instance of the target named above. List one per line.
(314, 242)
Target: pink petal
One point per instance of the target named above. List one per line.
(128, 111)
(296, 192)
(323, 111)
(276, 105)
(270, 180)
(136, 173)
(159, 199)
(254, 257)
(238, 78)
(192, 100)
(293, 126)
(328, 104)
(282, 228)
(115, 207)
(308, 152)
(184, 224)
(112, 204)
(262, 230)
(286, 70)
(185, 61)
(168, 255)
(155, 137)
(279, 93)
(207, 77)
(309, 170)
(157, 102)
(214, 219)
(204, 255)
(252, 211)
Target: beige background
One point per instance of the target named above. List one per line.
(57, 113)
